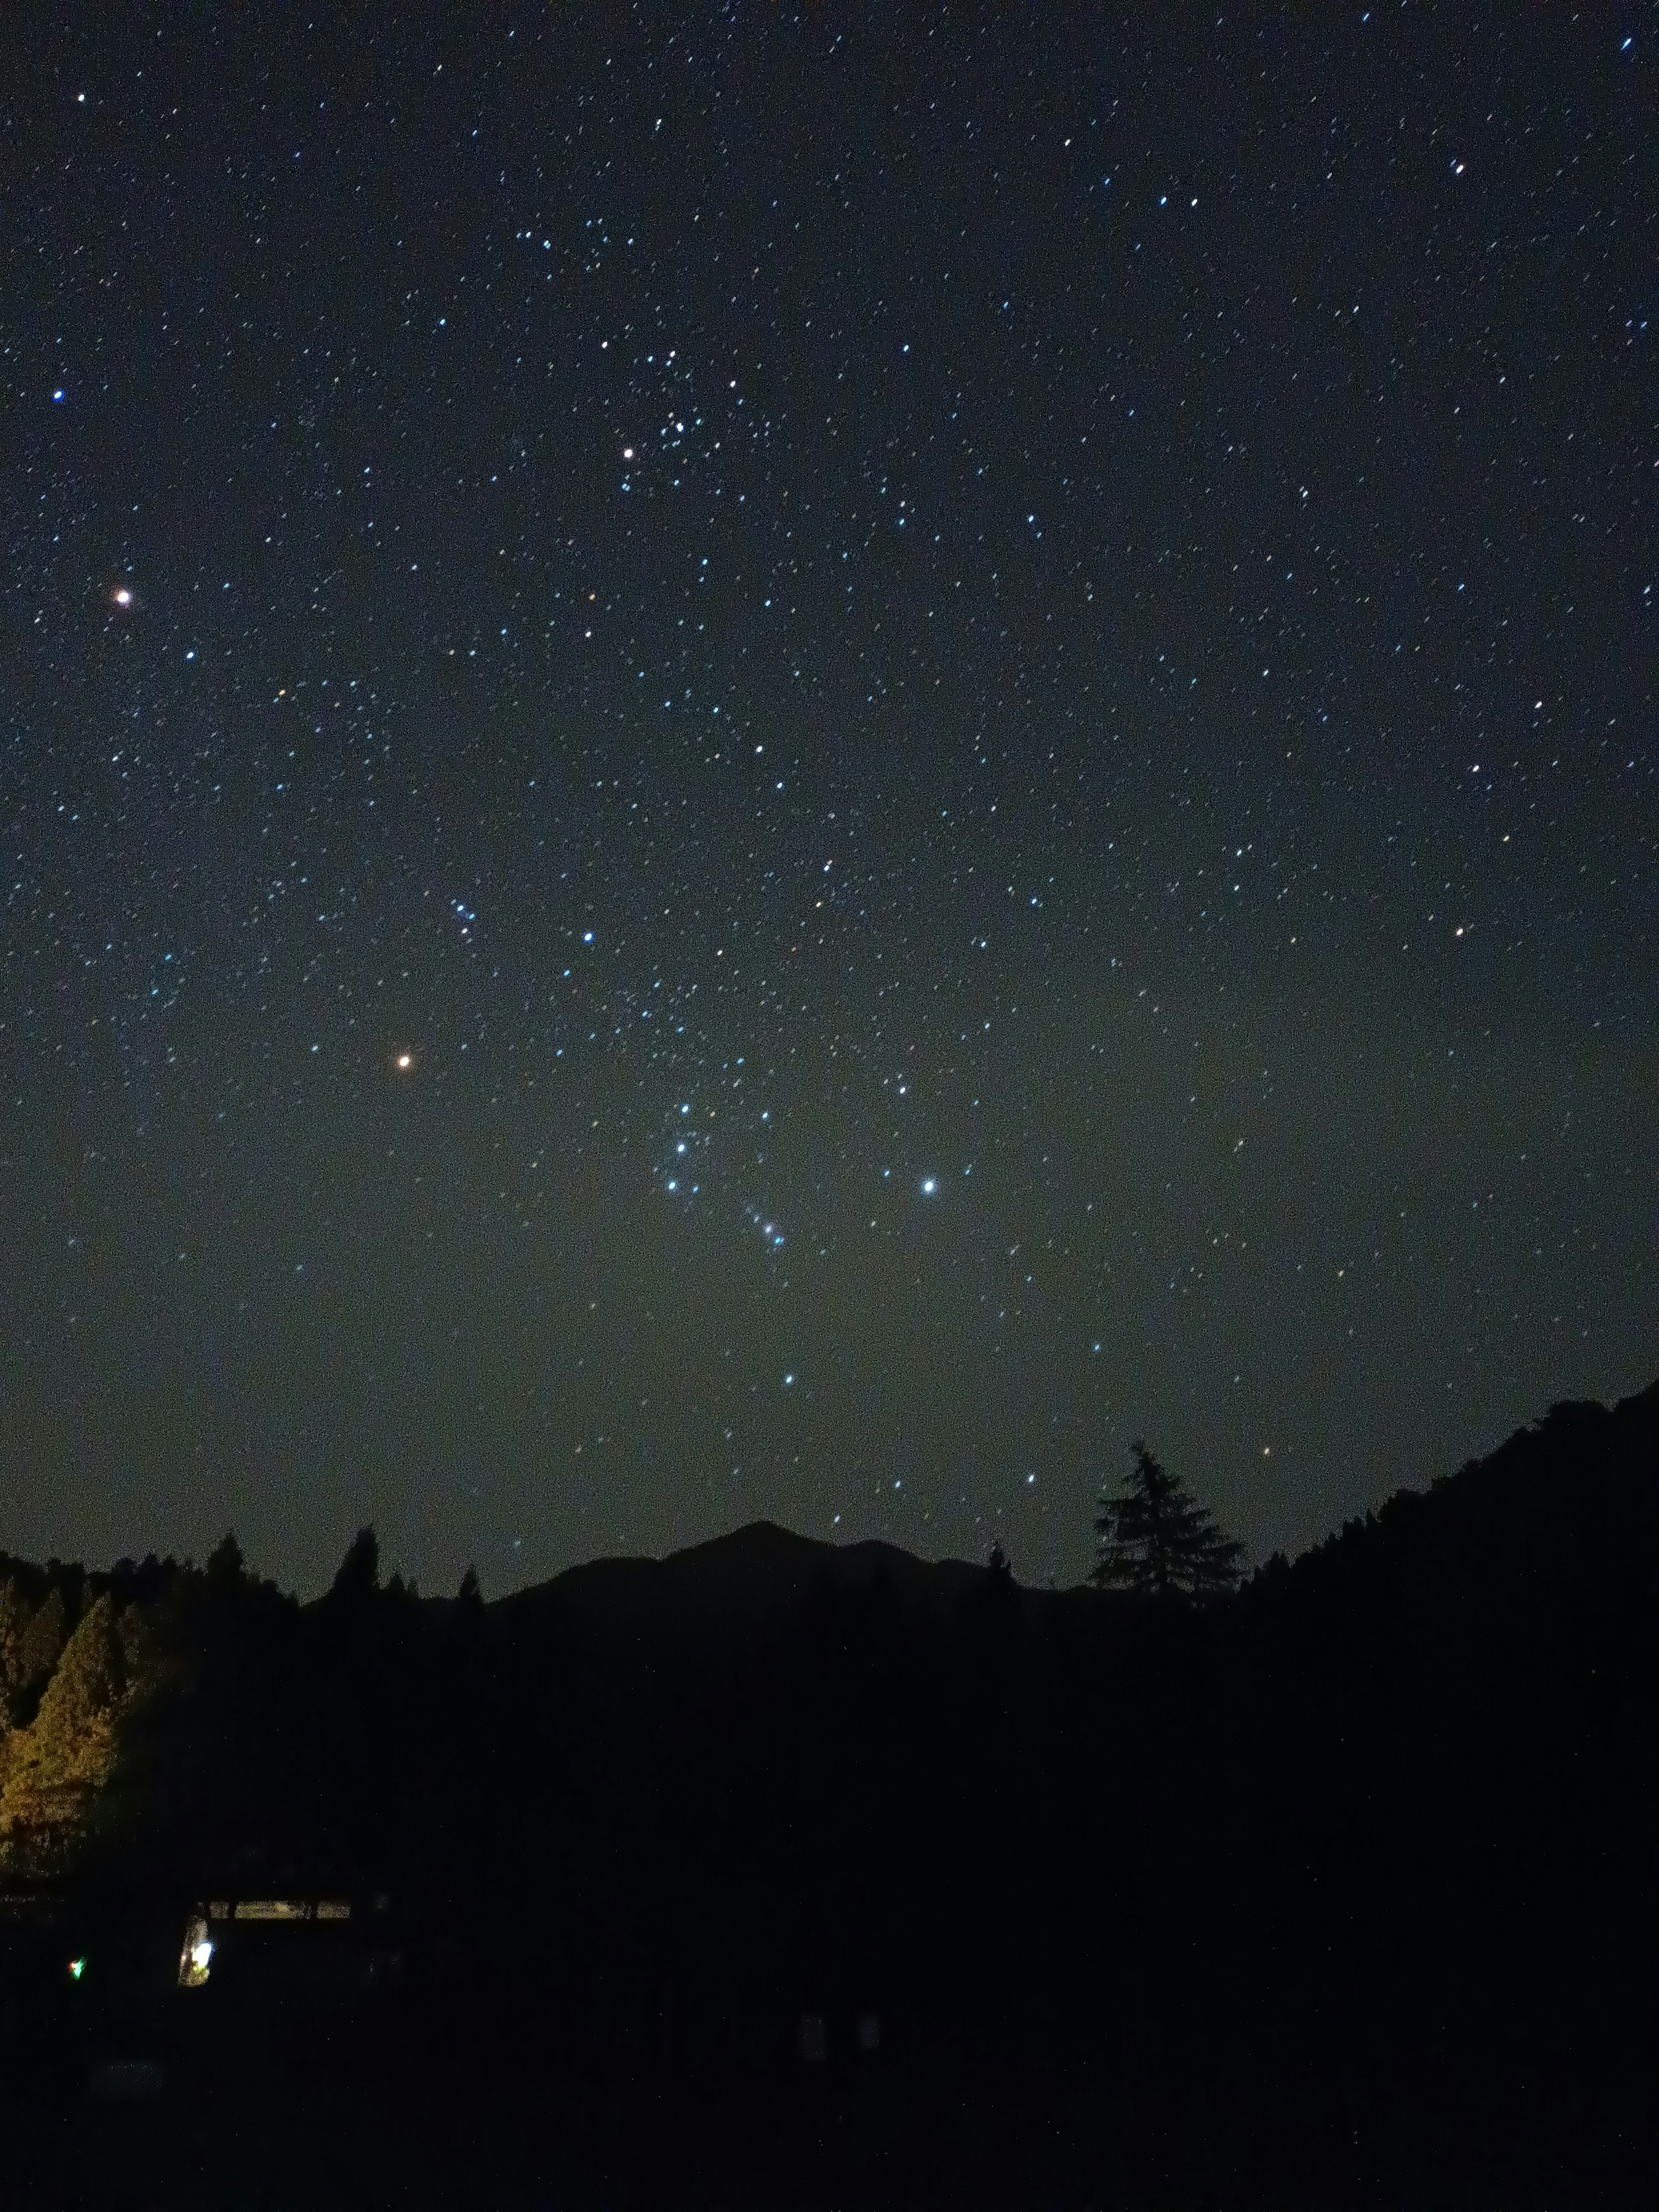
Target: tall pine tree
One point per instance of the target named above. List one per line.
(1156, 1540)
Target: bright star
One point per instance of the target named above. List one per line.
(929, 1186)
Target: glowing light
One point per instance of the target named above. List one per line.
(405, 1061)
(929, 1185)
(123, 596)
(77, 1967)
(197, 1955)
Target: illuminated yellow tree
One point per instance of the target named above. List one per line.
(55, 1767)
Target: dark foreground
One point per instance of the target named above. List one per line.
(773, 1875)
(391, 2107)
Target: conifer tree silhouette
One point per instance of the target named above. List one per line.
(1156, 1540)
(358, 1575)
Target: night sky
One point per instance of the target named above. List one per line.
(801, 763)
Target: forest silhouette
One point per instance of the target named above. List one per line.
(1347, 1872)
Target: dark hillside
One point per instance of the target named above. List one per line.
(1462, 1686)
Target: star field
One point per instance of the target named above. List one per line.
(784, 764)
